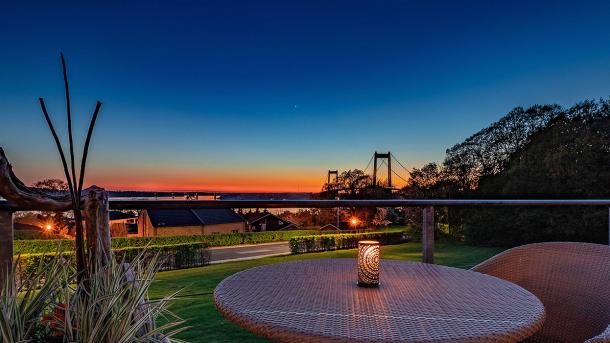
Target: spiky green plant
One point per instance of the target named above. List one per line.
(114, 307)
(24, 300)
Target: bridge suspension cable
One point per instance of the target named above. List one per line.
(402, 165)
(400, 177)
(368, 164)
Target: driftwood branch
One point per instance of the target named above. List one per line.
(83, 164)
(16, 192)
(97, 224)
(24, 197)
(79, 246)
(70, 136)
(95, 200)
(71, 186)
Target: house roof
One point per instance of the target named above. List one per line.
(217, 216)
(117, 215)
(329, 227)
(288, 225)
(253, 217)
(190, 217)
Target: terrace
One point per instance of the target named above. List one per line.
(492, 226)
(196, 301)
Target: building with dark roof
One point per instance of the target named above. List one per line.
(329, 227)
(120, 216)
(172, 222)
(343, 226)
(123, 224)
(266, 221)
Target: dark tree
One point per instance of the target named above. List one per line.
(539, 152)
(568, 159)
(488, 151)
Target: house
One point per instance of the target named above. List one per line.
(343, 226)
(329, 227)
(123, 224)
(174, 222)
(266, 221)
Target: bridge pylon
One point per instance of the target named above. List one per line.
(382, 156)
(336, 177)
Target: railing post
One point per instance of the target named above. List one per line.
(428, 234)
(6, 243)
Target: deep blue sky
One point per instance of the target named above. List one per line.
(268, 95)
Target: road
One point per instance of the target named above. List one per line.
(248, 252)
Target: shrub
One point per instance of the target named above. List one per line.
(25, 299)
(45, 304)
(223, 239)
(41, 246)
(177, 256)
(315, 243)
(113, 306)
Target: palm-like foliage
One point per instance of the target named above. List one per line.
(24, 301)
(115, 306)
(112, 308)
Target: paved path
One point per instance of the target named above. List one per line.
(248, 252)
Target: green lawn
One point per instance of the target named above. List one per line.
(207, 325)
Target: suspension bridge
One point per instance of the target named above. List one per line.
(381, 173)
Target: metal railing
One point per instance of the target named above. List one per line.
(130, 204)
(427, 205)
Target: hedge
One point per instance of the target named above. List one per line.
(316, 243)
(223, 239)
(177, 256)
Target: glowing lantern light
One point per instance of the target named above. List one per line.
(368, 263)
(354, 221)
(48, 227)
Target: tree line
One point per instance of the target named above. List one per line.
(544, 151)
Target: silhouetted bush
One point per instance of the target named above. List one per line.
(176, 256)
(315, 243)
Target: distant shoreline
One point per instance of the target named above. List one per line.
(220, 195)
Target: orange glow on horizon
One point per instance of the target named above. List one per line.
(176, 178)
(216, 183)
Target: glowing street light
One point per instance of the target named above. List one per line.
(354, 221)
(48, 227)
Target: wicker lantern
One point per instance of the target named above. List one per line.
(368, 263)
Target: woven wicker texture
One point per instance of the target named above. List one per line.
(571, 279)
(319, 301)
(603, 337)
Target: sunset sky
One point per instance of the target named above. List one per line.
(269, 95)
